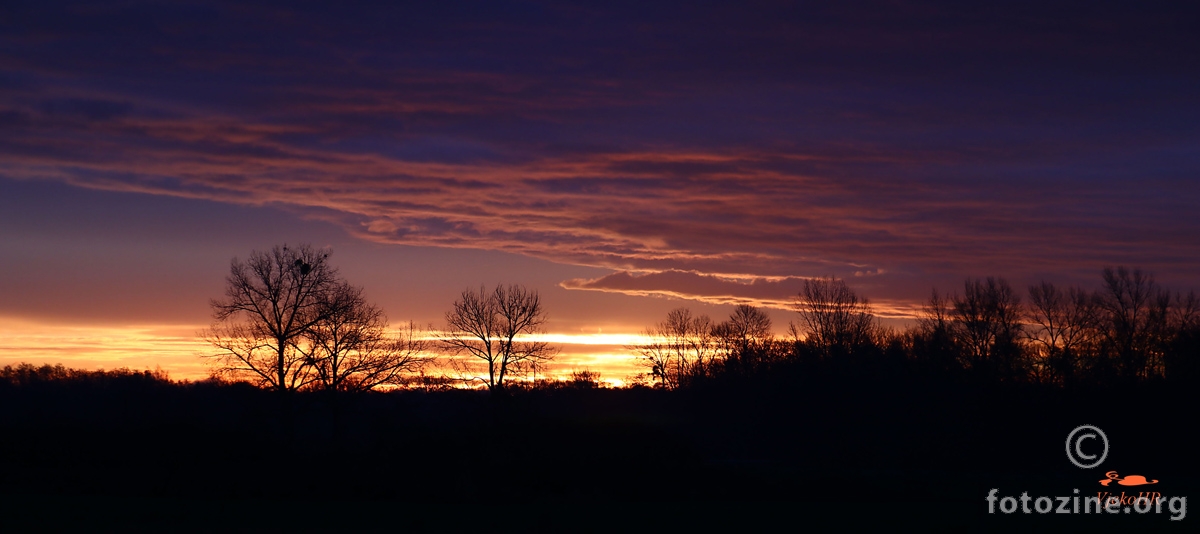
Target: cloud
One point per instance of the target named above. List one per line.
(768, 292)
(924, 140)
(767, 212)
(756, 291)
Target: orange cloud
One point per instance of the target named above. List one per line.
(769, 292)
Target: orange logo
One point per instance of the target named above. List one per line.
(1130, 480)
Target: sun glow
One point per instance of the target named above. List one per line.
(175, 349)
(178, 349)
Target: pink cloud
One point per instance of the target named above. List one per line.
(765, 212)
(768, 292)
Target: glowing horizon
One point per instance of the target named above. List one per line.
(177, 350)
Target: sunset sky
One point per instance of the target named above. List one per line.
(623, 159)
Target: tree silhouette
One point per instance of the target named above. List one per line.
(744, 338)
(584, 379)
(1181, 359)
(678, 348)
(349, 348)
(1062, 328)
(935, 346)
(987, 320)
(747, 325)
(487, 326)
(1135, 313)
(271, 300)
(834, 320)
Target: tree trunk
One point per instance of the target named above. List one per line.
(279, 360)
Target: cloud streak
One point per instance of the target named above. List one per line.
(768, 292)
(928, 142)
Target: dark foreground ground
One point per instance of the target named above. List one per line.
(823, 452)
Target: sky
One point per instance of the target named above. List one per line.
(621, 158)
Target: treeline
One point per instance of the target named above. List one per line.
(310, 330)
(27, 375)
(1129, 330)
(289, 322)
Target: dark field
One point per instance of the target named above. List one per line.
(812, 447)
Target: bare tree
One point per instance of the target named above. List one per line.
(744, 338)
(1180, 360)
(489, 326)
(678, 347)
(1062, 324)
(935, 316)
(1185, 312)
(934, 341)
(585, 379)
(988, 318)
(350, 349)
(271, 300)
(834, 318)
(747, 325)
(1135, 312)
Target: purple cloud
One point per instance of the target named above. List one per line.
(928, 141)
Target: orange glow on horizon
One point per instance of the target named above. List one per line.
(175, 349)
(178, 350)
